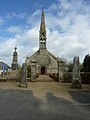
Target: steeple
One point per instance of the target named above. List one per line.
(42, 27)
(42, 33)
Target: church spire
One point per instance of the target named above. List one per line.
(42, 33)
(42, 27)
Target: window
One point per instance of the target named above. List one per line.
(42, 33)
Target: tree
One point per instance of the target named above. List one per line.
(81, 68)
(86, 63)
(28, 71)
(70, 66)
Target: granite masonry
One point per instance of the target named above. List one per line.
(76, 78)
(23, 80)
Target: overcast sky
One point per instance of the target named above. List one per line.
(67, 25)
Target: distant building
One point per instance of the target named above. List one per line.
(4, 67)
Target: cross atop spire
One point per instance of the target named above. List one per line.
(42, 27)
(15, 49)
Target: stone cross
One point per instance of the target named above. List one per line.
(76, 78)
(15, 49)
(23, 80)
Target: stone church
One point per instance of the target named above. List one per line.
(43, 62)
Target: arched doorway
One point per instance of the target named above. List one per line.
(43, 70)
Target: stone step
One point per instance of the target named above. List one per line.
(44, 78)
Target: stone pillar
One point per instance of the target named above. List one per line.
(23, 80)
(76, 78)
(33, 70)
(60, 70)
(14, 65)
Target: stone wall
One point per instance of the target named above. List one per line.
(85, 77)
(44, 59)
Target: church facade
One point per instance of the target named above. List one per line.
(43, 62)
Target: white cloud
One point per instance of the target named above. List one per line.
(14, 29)
(34, 19)
(16, 15)
(6, 48)
(1, 20)
(68, 32)
(73, 36)
(26, 42)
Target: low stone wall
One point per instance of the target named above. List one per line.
(68, 77)
(85, 77)
(12, 79)
(54, 76)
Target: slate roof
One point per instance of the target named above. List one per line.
(2, 63)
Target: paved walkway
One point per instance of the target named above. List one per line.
(40, 89)
(44, 101)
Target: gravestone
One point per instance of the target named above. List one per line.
(76, 78)
(23, 80)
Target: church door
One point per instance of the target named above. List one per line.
(43, 70)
